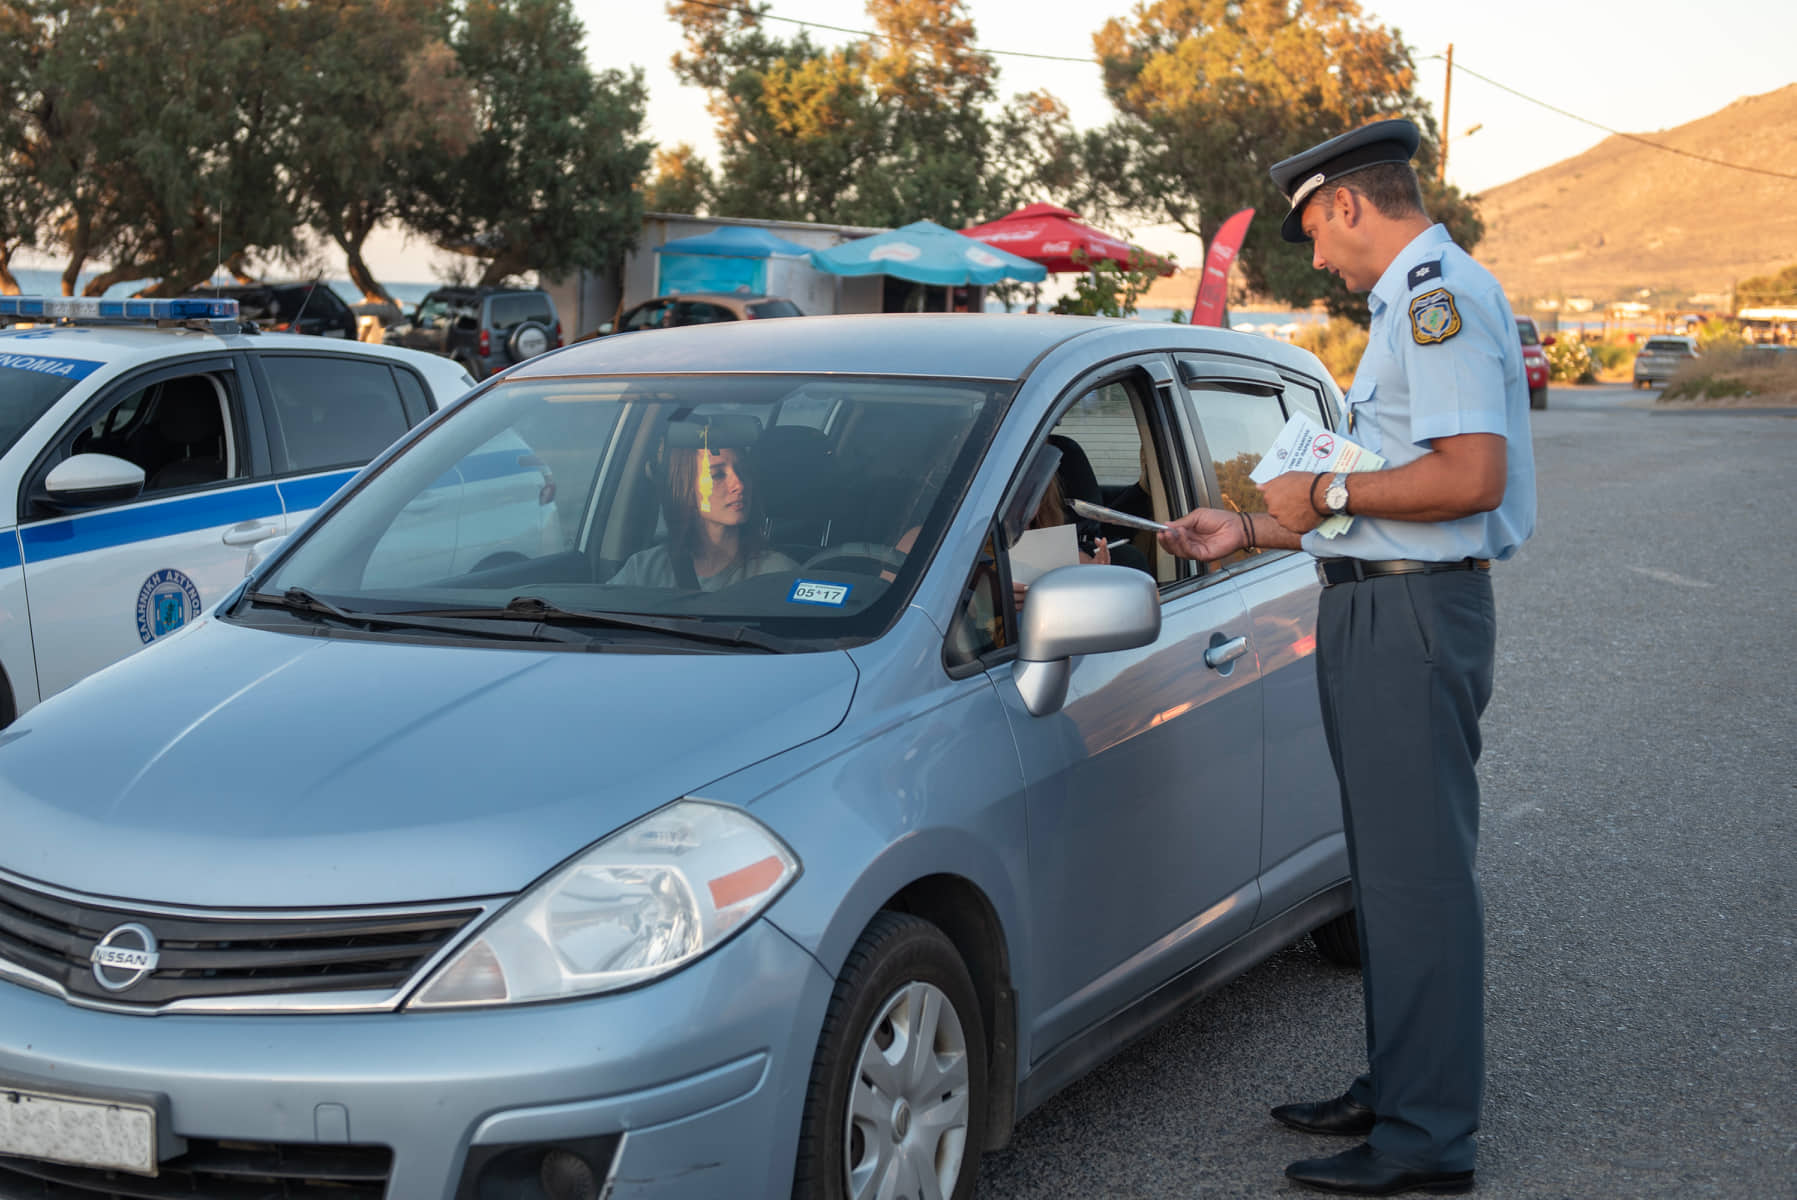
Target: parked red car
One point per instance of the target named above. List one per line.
(1534, 360)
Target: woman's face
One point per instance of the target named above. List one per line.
(723, 492)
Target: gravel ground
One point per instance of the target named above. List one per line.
(1640, 778)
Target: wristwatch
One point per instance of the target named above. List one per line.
(1335, 497)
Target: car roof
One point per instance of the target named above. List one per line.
(947, 345)
(128, 344)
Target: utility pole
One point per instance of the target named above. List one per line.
(1447, 100)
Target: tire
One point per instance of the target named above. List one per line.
(1538, 397)
(902, 971)
(527, 340)
(1338, 940)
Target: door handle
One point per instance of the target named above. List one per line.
(248, 533)
(1218, 656)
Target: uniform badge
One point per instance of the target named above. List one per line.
(167, 601)
(1433, 317)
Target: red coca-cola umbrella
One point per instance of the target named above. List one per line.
(1050, 235)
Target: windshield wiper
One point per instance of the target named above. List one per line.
(535, 608)
(299, 599)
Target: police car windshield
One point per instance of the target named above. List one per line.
(802, 507)
(29, 384)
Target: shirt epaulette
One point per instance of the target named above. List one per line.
(1423, 272)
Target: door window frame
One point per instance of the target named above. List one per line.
(269, 421)
(244, 427)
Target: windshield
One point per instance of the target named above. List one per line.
(1527, 331)
(800, 506)
(30, 383)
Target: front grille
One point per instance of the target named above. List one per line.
(212, 1170)
(203, 956)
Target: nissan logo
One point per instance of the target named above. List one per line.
(124, 957)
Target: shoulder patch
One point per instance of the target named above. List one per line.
(1423, 273)
(1433, 317)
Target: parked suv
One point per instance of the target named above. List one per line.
(1534, 360)
(1661, 357)
(484, 329)
(308, 307)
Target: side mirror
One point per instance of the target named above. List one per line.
(605, 328)
(1548, 340)
(261, 552)
(87, 480)
(1086, 609)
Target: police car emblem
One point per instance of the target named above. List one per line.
(1433, 317)
(167, 601)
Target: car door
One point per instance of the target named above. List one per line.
(327, 415)
(1144, 789)
(106, 580)
(1236, 410)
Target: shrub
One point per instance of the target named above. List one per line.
(1339, 344)
(1570, 362)
(1611, 357)
(1718, 337)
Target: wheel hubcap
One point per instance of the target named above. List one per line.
(906, 1130)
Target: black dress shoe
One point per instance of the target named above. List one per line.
(1363, 1171)
(1339, 1116)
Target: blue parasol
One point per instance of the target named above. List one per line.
(925, 252)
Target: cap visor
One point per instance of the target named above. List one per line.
(1292, 228)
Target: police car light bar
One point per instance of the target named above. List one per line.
(92, 308)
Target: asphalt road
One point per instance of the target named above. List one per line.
(1638, 855)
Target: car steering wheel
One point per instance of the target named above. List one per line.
(882, 558)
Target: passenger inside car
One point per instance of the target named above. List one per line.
(716, 536)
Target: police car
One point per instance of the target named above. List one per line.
(146, 445)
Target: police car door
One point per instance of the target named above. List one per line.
(1145, 788)
(108, 579)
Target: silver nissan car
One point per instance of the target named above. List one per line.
(808, 800)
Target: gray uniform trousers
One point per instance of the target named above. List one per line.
(1404, 667)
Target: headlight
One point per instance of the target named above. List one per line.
(642, 903)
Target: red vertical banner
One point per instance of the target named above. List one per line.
(1213, 288)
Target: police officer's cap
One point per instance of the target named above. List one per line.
(1301, 175)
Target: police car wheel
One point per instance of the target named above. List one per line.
(898, 1087)
(1538, 397)
(1338, 940)
(527, 341)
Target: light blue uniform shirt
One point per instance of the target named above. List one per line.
(1443, 357)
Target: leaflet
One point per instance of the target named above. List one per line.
(1304, 445)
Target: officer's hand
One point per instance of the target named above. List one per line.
(1203, 533)
(1288, 500)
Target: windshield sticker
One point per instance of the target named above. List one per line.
(167, 601)
(66, 368)
(810, 591)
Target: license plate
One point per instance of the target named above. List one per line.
(84, 1133)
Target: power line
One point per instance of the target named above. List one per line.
(1633, 137)
(1088, 60)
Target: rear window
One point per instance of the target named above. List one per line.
(507, 311)
(1527, 331)
(1668, 346)
(774, 308)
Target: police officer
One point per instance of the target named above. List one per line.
(1405, 642)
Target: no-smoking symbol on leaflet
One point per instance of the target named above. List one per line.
(1323, 447)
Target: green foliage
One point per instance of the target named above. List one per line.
(1107, 289)
(1610, 356)
(682, 182)
(1210, 93)
(549, 180)
(878, 132)
(1569, 361)
(1719, 337)
(1778, 289)
(1339, 343)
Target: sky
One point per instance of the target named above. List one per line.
(1636, 67)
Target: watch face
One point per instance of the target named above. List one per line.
(1336, 497)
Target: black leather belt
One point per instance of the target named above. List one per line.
(1331, 571)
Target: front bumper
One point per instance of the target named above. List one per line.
(703, 1073)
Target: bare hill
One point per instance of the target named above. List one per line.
(1623, 216)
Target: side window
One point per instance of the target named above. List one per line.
(1237, 428)
(697, 312)
(649, 316)
(332, 412)
(179, 430)
(981, 626)
(1304, 398)
(432, 312)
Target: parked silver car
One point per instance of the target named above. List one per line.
(1661, 356)
(623, 869)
